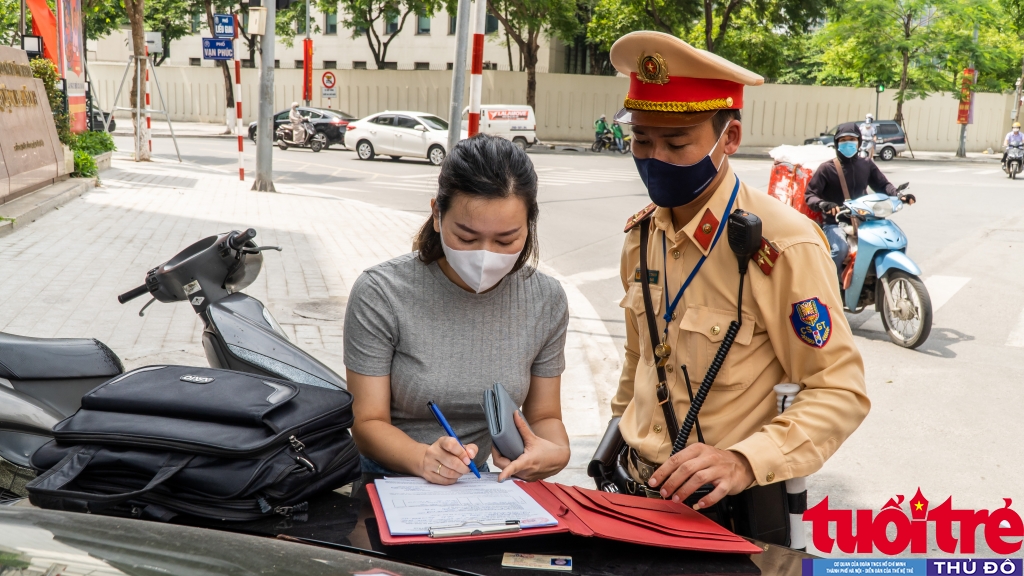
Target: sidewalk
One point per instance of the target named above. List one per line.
(181, 129)
(60, 276)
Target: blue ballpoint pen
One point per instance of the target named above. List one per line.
(448, 430)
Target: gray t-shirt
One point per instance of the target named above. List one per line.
(439, 342)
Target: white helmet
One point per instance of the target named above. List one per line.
(868, 117)
(295, 104)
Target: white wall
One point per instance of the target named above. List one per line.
(567, 104)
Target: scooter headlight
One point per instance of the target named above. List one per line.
(882, 209)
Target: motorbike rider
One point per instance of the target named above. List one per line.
(617, 134)
(296, 120)
(600, 127)
(867, 134)
(825, 192)
(1013, 137)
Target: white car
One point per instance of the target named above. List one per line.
(400, 133)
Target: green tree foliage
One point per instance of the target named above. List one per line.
(526, 20)
(9, 12)
(918, 47)
(371, 18)
(101, 17)
(172, 19)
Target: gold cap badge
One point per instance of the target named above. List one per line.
(652, 69)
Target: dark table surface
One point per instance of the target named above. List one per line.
(347, 522)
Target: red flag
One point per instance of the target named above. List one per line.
(307, 69)
(44, 24)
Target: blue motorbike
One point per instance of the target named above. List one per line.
(879, 271)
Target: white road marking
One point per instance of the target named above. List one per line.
(942, 288)
(592, 276)
(1016, 338)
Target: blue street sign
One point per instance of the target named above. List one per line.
(218, 49)
(223, 26)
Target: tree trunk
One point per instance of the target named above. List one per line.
(709, 22)
(229, 86)
(532, 48)
(901, 94)
(136, 13)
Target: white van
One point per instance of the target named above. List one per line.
(515, 122)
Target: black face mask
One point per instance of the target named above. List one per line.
(672, 185)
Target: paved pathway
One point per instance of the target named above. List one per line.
(60, 276)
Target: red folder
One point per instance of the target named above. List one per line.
(621, 517)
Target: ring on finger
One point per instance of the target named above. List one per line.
(438, 468)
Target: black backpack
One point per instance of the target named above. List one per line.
(166, 440)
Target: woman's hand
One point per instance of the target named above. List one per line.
(445, 461)
(541, 459)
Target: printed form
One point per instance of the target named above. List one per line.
(412, 506)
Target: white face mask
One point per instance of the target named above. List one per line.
(479, 269)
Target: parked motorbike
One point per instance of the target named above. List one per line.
(879, 271)
(42, 381)
(607, 141)
(315, 141)
(1014, 160)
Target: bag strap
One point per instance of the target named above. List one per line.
(842, 178)
(51, 483)
(664, 399)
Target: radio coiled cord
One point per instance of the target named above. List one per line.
(709, 377)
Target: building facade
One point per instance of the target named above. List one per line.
(423, 43)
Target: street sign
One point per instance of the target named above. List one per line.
(329, 93)
(329, 80)
(218, 49)
(223, 26)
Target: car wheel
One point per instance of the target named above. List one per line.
(520, 143)
(435, 155)
(396, 157)
(365, 150)
(887, 154)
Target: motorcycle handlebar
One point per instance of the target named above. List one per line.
(133, 294)
(236, 241)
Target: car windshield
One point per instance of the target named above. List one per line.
(434, 123)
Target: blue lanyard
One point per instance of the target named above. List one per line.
(670, 308)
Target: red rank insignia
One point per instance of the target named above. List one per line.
(706, 228)
(639, 216)
(765, 257)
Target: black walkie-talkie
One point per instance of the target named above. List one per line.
(745, 240)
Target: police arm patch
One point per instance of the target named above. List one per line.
(812, 322)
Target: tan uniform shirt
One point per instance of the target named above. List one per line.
(783, 339)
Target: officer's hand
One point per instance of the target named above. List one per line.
(700, 464)
(542, 458)
(445, 461)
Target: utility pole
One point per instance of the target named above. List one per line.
(1016, 101)
(459, 73)
(961, 149)
(265, 115)
(21, 20)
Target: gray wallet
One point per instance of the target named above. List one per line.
(499, 407)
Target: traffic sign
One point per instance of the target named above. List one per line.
(223, 26)
(329, 93)
(329, 80)
(218, 49)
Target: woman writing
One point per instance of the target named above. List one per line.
(444, 323)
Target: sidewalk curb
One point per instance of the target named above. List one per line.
(185, 135)
(17, 214)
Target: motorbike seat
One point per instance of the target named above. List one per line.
(26, 358)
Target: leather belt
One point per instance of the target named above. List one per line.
(641, 470)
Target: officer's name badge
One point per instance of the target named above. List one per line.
(652, 276)
(811, 322)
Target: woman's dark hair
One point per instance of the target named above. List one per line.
(484, 167)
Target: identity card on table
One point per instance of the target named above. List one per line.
(413, 506)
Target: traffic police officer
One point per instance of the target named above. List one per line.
(684, 107)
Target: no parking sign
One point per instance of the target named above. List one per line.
(329, 80)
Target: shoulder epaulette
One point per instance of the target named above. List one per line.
(766, 256)
(639, 216)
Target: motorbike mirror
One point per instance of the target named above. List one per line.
(744, 236)
(902, 187)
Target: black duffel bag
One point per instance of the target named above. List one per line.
(166, 440)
